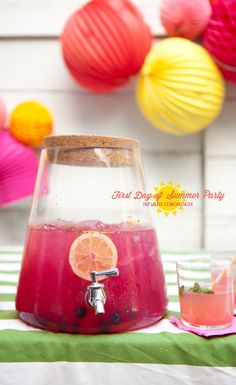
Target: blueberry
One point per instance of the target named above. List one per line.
(115, 318)
(81, 312)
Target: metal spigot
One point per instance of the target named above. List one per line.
(96, 296)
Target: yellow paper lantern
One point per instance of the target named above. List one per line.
(180, 89)
(30, 122)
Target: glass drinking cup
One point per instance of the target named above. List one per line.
(206, 292)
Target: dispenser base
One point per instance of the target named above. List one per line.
(74, 327)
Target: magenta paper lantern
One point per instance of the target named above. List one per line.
(3, 114)
(18, 168)
(104, 43)
(220, 37)
(185, 18)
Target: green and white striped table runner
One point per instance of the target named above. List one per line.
(159, 354)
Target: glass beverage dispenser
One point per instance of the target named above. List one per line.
(91, 262)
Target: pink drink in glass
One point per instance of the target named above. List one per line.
(51, 296)
(211, 310)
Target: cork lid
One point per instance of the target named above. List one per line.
(91, 150)
(88, 141)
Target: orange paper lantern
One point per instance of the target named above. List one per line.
(30, 122)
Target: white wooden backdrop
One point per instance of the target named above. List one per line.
(31, 67)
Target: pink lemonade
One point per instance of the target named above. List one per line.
(51, 296)
(212, 310)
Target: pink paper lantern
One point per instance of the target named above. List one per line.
(185, 18)
(3, 113)
(18, 168)
(104, 43)
(220, 37)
